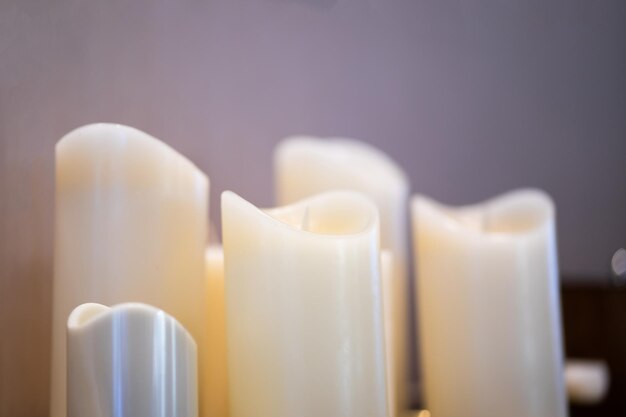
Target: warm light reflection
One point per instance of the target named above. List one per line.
(119, 351)
(159, 374)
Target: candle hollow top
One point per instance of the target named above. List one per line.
(332, 214)
(84, 313)
(515, 213)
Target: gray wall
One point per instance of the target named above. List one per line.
(472, 97)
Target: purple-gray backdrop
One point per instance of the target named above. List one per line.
(471, 97)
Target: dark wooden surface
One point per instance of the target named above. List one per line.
(595, 327)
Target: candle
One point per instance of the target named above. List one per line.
(216, 387)
(129, 360)
(131, 225)
(304, 308)
(489, 307)
(305, 166)
(587, 380)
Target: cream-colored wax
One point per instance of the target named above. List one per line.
(129, 360)
(487, 288)
(587, 380)
(391, 287)
(215, 390)
(305, 166)
(304, 308)
(131, 225)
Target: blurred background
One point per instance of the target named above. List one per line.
(471, 97)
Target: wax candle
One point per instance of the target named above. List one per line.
(489, 307)
(305, 166)
(587, 380)
(131, 225)
(304, 308)
(129, 360)
(215, 390)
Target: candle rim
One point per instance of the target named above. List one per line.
(81, 319)
(452, 216)
(85, 313)
(115, 133)
(362, 155)
(371, 223)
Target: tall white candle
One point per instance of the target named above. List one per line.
(488, 299)
(304, 308)
(305, 166)
(129, 360)
(131, 225)
(215, 390)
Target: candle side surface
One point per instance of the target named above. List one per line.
(489, 312)
(131, 359)
(215, 389)
(304, 307)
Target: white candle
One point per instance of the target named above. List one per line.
(489, 307)
(305, 166)
(587, 380)
(215, 390)
(304, 308)
(131, 225)
(129, 360)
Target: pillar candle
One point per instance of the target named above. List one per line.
(305, 166)
(215, 391)
(131, 225)
(587, 380)
(489, 307)
(129, 360)
(304, 308)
